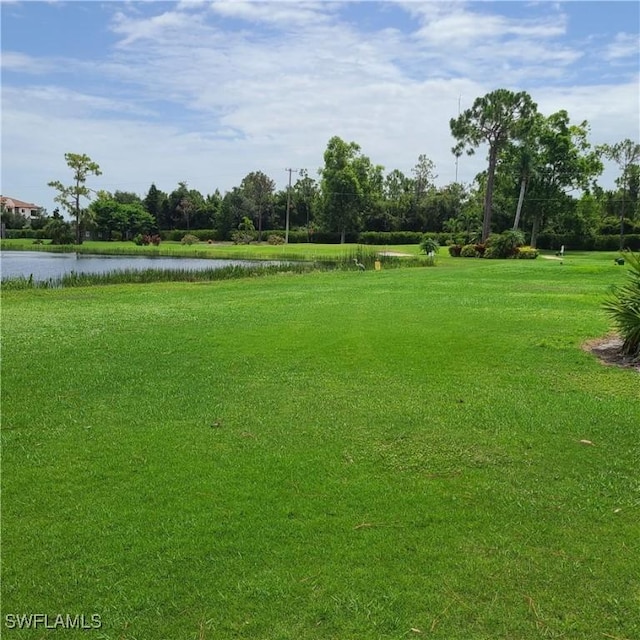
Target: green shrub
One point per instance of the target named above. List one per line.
(572, 242)
(624, 307)
(146, 239)
(116, 236)
(189, 239)
(454, 250)
(390, 237)
(527, 253)
(504, 245)
(59, 231)
(204, 235)
(275, 238)
(242, 237)
(469, 251)
(334, 237)
(490, 253)
(176, 235)
(299, 236)
(610, 226)
(25, 234)
(429, 245)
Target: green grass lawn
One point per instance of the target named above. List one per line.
(336, 455)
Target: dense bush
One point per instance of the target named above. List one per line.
(624, 307)
(571, 242)
(243, 237)
(527, 253)
(144, 240)
(59, 231)
(246, 232)
(189, 239)
(390, 237)
(275, 238)
(334, 237)
(429, 245)
(176, 235)
(454, 250)
(503, 245)
(298, 236)
(469, 251)
(630, 242)
(19, 234)
(204, 235)
(610, 226)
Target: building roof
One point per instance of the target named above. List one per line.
(18, 204)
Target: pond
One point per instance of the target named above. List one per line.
(44, 265)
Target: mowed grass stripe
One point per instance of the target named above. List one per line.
(337, 455)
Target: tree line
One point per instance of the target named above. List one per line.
(541, 176)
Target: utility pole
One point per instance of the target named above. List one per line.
(457, 156)
(286, 233)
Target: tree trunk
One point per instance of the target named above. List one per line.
(488, 196)
(534, 232)
(523, 188)
(78, 233)
(343, 235)
(259, 225)
(622, 221)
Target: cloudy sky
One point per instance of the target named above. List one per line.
(208, 91)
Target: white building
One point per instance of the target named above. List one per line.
(27, 209)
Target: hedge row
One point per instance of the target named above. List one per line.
(587, 243)
(545, 240)
(16, 234)
(204, 235)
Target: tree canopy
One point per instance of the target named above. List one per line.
(69, 195)
(493, 119)
(541, 177)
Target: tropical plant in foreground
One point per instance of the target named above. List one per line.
(624, 307)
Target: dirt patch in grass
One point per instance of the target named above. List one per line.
(607, 350)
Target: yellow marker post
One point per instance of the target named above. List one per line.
(378, 265)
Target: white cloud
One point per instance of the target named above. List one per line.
(181, 98)
(288, 14)
(58, 101)
(23, 63)
(625, 45)
(165, 25)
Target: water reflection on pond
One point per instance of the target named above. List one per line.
(44, 265)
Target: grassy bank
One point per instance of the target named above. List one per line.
(332, 455)
(262, 251)
(353, 258)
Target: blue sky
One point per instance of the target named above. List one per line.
(208, 91)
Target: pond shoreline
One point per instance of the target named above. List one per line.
(41, 266)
